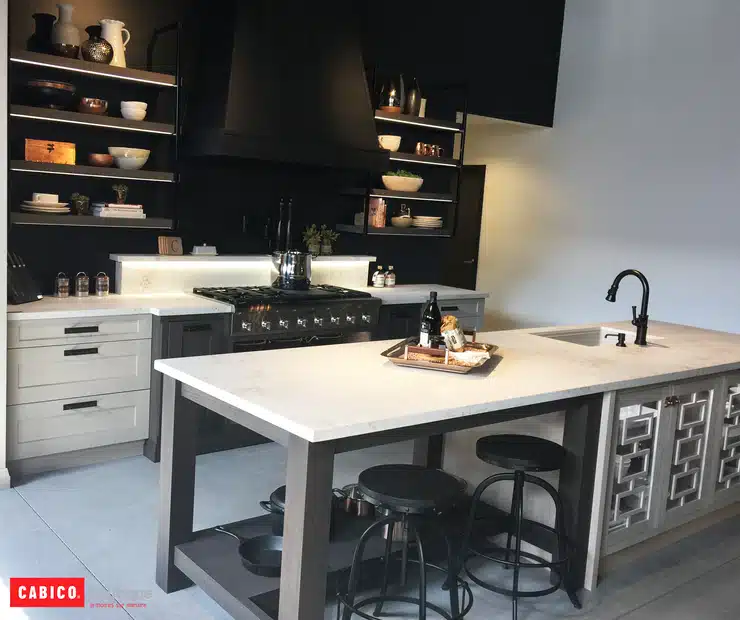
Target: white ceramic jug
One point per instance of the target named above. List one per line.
(113, 33)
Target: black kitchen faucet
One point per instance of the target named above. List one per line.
(641, 321)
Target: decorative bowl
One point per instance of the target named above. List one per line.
(130, 163)
(401, 221)
(102, 160)
(50, 94)
(402, 184)
(139, 105)
(128, 151)
(133, 114)
(389, 143)
(91, 105)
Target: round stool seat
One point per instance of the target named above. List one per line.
(409, 488)
(520, 452)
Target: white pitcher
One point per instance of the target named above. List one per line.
(113, 33)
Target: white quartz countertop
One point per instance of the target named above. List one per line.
(175, 304)
(347, 390)
(419, 293)
(229, 258)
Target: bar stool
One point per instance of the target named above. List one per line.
(409, 495)
(522, 454)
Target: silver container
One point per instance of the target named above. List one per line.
(82, 285)
(102, 284)
(354, 502)
(291, 270)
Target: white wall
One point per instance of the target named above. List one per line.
(642, 169)
(4, 476)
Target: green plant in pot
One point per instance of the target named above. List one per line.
(328, 237)
(312, 239)
(80, 204)
(121, 191)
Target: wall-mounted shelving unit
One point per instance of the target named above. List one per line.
(34, 219)
(17, 165)
(92, 120)
(419, 121)
(413, 158)
(393, 231)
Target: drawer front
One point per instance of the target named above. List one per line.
(43, 332)
(38, 429)
(52, 373)
(462, 307)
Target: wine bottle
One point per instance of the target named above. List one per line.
(431, 322)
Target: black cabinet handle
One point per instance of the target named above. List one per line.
(203, 327)
(92, 329)
(90, 351)
(83, 405)
(451, 308)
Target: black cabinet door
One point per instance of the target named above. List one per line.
(396, 322)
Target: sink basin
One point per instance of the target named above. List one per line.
(593, 336)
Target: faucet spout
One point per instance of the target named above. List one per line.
(639, 321)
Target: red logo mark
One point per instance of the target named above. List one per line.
(47, 591)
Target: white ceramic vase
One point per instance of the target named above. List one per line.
(64, 31)
(113, 31)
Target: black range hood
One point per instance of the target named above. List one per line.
(280, 82)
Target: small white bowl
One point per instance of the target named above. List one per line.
(130, 163)
(389, 143)
(127, 151)
(402, 184)
(139, 105)
(133, 114)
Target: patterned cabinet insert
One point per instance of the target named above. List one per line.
(725, 447)
(684, 475)
(631, 509)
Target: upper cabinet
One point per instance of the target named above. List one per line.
(507, 52)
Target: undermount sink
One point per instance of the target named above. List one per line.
(594, 336)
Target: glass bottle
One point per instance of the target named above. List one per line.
(390, 276)
(431, 323)
(379, 277)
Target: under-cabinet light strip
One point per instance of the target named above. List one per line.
(74, 122)
(93, 176)
(418, 124)
(423, 161)
(411, 198)
(89, 72)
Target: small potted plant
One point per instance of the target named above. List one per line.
(80, 204)
(312, 239)
(121, 191)
(328, 237)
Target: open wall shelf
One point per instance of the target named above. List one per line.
(92, 120)
(92, 171)
(35, 219)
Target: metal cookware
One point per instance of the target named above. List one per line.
(353, 501)
(292, 270)
(276, 507)
(261, 555)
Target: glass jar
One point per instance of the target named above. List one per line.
(102, 284)
(61, 285)
(82, 285)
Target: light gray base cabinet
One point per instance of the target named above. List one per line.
(675, 457)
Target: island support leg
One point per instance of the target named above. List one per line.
(428, 451)
(176, 485)
(306, 530)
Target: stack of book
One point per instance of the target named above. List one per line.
(114, 209)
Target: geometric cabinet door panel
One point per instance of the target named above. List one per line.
(724, 448)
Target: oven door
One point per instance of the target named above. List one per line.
(266, 344)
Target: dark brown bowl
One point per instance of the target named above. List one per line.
(66, 50)
(90, 105)
(102, 160)
(50, 94)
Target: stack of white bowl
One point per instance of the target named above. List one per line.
(425, 221)
(128, 158)
(133, 110)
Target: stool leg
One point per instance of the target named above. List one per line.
(386, 567)
(519, 498)
(422, 577)
(512, 520)
(405, 552)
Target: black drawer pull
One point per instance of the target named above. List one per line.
(204, 327)
(84, 405)
(92, 329)
(90, 351)
(451, 308)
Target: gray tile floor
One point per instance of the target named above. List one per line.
(99, 522)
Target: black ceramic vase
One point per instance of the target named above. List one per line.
(96, 48)
(40, 40)
(413, 99)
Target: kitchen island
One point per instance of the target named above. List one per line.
(677, 401)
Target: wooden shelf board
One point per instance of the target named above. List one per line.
(410, 232)
(349, 228)
(43, 219)
(418, 121)
(93, 68)
(95, 120)
(17, 165)
(413, 158)
(428, 196)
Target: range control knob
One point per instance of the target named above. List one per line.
(284, 323)
(246, 326)
(301, 322)
(366, 318)
(266, 325)
(335, 320)
(351, 319)
(318, 321)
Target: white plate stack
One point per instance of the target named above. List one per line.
(424, 221)
(45, 203)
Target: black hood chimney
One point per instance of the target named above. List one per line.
(279, 81)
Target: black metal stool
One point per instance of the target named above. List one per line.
(522, 454)
(409, 494)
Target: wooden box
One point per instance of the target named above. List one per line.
(50, 152)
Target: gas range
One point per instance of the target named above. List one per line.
(322, 309)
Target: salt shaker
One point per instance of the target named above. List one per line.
(102, 284)
(82, 285)
(61, 285)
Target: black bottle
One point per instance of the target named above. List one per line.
(431, 322)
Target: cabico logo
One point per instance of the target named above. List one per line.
(47, 591)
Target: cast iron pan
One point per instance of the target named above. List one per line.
(261, 555)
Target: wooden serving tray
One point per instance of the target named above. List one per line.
(397, 354)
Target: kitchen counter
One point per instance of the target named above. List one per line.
(230, 258)
(175, 304)
(419, 293)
